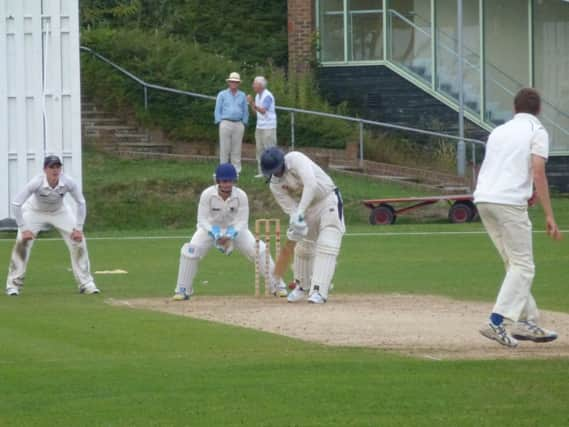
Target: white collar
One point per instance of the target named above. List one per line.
(228, 197)
(527, 116)
(59, 182)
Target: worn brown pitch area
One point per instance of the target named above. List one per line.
(429, 327)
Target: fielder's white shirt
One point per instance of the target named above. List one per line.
(213, 210)
(506, 175)
(41, 197)
(303, 185)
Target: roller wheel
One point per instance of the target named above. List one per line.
(461, 212)
(382, 215)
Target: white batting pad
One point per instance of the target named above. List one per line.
(303, 262)
(327, 250)
(188, 268)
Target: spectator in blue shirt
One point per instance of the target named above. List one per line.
(232, 115)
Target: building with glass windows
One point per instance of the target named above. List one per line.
(398, 59)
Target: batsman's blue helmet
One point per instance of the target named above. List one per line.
(225, 172)
(272, 161)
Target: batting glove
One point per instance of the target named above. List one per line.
(231, 232)
(296, 233)
(297, 218)
(215, 233)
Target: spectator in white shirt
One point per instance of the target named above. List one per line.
(264, 106)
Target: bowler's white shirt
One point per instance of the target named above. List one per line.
(303, 185)
(41, 197)
(506, 175)
(213, 210)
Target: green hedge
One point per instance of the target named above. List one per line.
(169, 61)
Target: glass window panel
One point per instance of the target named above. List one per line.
(410, 25)
(365, 30)
(506, 45)
(447, 51)
(331, 30)
(551, 68)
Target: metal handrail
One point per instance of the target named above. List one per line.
(516, 83)
(290, 110)
(476, 67)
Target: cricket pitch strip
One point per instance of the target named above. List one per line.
(422, 326)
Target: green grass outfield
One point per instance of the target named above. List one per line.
(72, 360)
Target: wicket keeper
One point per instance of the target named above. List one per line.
(306, 193)
(223, 222)
(41, 204)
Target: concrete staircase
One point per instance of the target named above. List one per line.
(118, 134)
(125, 138)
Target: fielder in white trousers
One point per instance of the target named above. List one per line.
(515, 158)
(510, 230)
(223, 223)
(201, 243)
(39, 206)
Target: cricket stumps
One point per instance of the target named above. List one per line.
(268, 226)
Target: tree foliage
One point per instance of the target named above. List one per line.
(248, 31)
(165, 60)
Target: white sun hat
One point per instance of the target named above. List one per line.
(234, 77)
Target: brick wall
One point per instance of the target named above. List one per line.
(301, 30)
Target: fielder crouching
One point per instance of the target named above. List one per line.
(223, 222)
(306, 193)
(41, 204)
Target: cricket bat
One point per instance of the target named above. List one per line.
(285, 259)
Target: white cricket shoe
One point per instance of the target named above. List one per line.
(526, 330)
(316, 298)
(282, 291)
(279, 289)
(499, 334)
(259, 175)
(12, 292)
(182, 295)
(297, 294)
(89, 289)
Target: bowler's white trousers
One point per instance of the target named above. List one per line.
(63, 221)
(510, 229)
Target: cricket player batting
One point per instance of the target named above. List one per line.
(41, 204)
(223, 222)
(306, 193)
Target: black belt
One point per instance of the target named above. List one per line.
(340, 202)
(229, 120)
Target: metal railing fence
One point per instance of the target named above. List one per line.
(361, 122)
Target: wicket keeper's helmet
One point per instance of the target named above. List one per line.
(272, 161)
(225, 172)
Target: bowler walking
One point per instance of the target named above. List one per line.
(515, 161)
